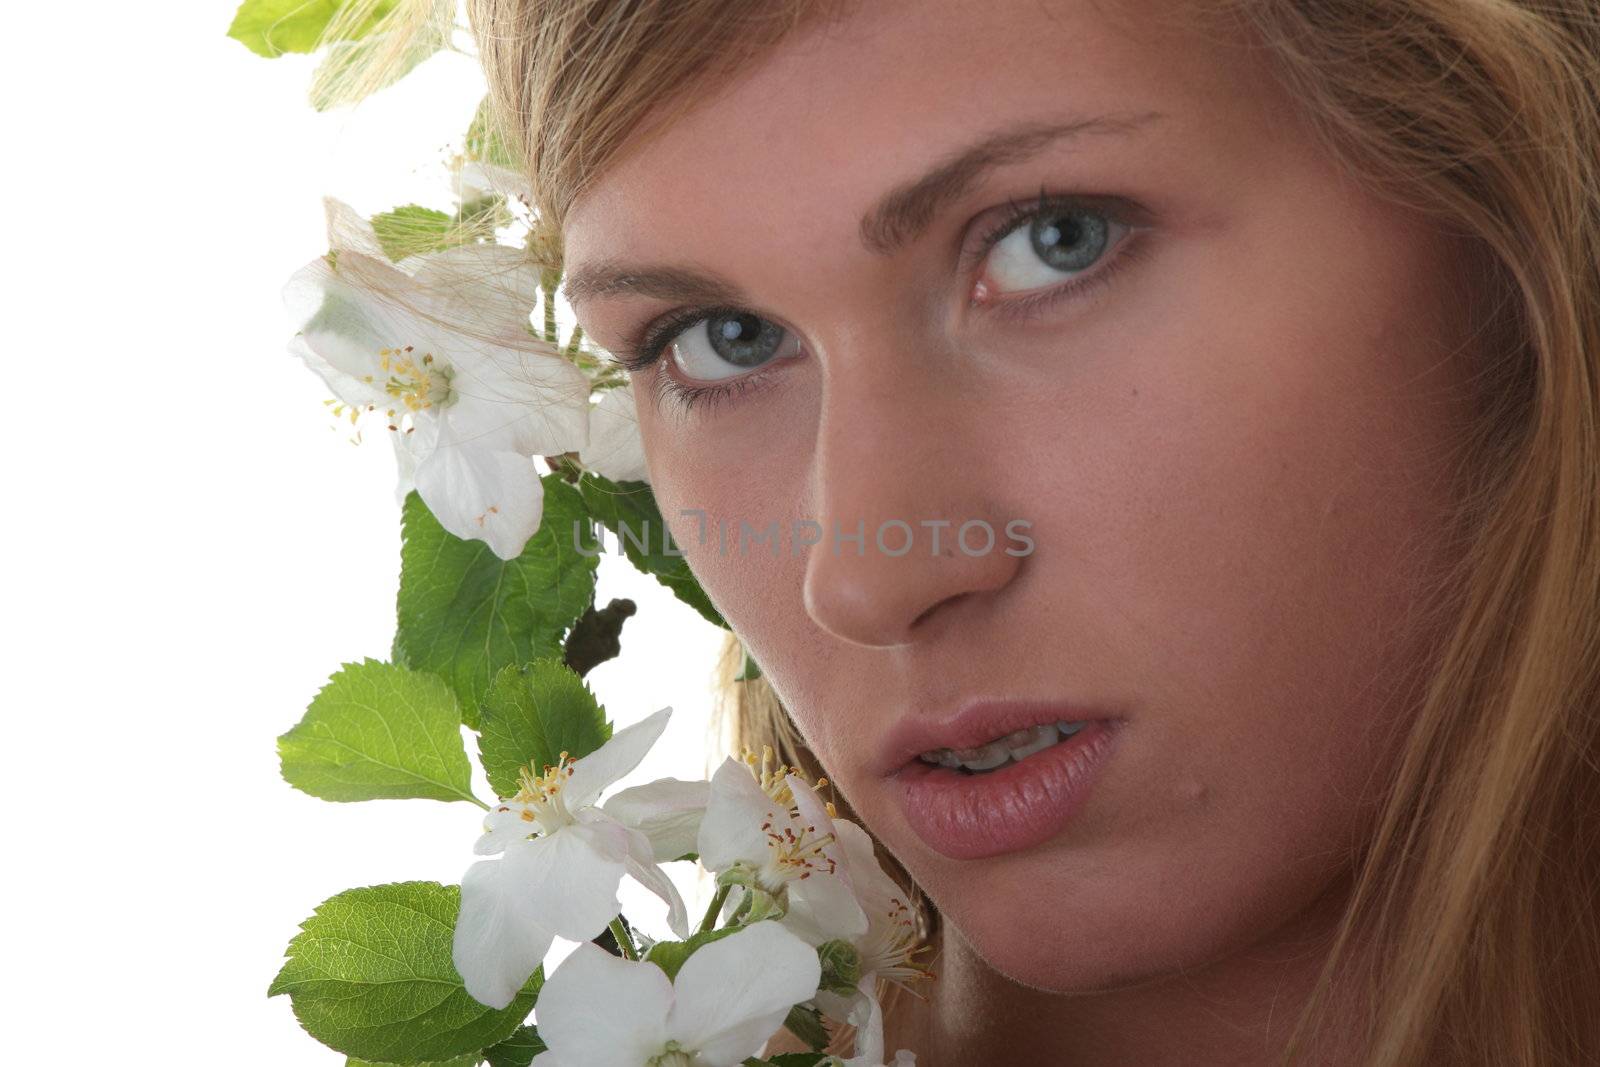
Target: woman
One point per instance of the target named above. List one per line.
(1264, 341)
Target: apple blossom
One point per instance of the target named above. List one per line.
(562, 859)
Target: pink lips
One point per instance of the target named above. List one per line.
(1015, 807)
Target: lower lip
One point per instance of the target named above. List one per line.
(1023, 804)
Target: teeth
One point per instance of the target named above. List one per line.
(1035, 740)
(986, 758)
(1017, 745)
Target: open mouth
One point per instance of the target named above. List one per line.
(1009, 794)
(1012, 748)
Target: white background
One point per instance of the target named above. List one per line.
(192, 547)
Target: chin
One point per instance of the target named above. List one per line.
(1064, 924)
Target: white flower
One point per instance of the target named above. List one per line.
(615, 448)
(887, 949)
(777, 837)
(729, 997)
(869, 1044)
(668, 811)
(562, 880)
(443, 352)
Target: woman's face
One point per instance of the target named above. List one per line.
(1208, 381)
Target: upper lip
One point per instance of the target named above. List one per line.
(975, 723)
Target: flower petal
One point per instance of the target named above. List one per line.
(343, 341)
(731, 828)
(412, 444)
(353, 308)
(351, 390)
(477, 179)
(834, 1005)
(481, 495)
(499, 283)
(615, 758)
(810, 808)
(601, 1011)
(867, 1018)
(616, 448)
(823, 908)
(524, 397)
(733, 994)
(499, 940)
(570, 884)
(508, 822)
(349, 230)
(667, 810)
(876, 891)
(641, 865)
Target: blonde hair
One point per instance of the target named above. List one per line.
(1482, 881)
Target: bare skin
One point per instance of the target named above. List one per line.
(1231, 439)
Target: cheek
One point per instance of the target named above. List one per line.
(1284, 510)
(720, 486)
(1242, 510)
(1253, 515)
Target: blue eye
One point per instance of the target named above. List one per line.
(1036, 246)
(1049, 249)
(729, 343)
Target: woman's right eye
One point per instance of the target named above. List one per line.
(726, 344)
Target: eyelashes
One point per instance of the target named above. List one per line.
(639, 354)
(682, 396)
(667, 390)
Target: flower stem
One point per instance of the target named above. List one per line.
(549, 287)
(624, 942)
(711, 912)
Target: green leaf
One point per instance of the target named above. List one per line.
(531, 714)
(378, 731)
(272, 27)
(353, 70)
(628, 510)
(370, 976)
(484, 142)
(414, 230)
(518, 1050)
(749, 669)
(471, 1059)
(806, 1024)
(670, 956)
(478, 219)
(465, 613)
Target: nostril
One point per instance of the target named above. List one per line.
(869, 601)
(931, 609)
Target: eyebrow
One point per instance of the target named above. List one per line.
(902, 215)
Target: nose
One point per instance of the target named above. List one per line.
(905, 485)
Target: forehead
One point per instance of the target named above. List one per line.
(821, 124)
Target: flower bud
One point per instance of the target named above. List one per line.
(841, 967)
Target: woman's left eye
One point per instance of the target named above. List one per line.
(1039, 247)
